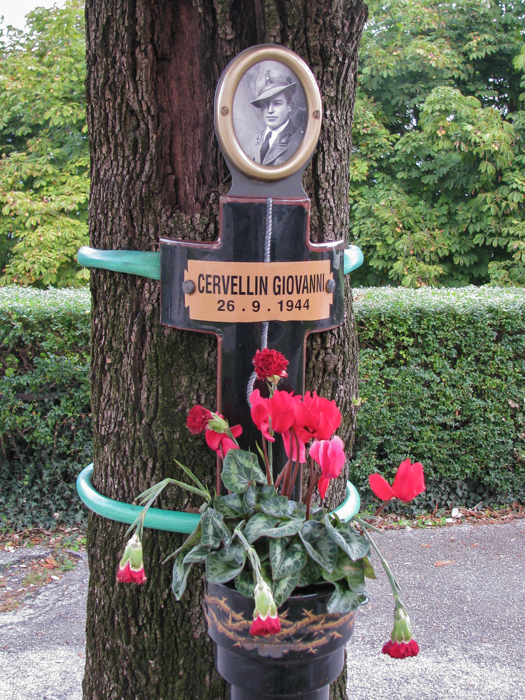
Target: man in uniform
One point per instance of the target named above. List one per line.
(282, 135)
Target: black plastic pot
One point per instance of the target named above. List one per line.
(299, 663)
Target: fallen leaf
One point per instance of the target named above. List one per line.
(443, 563)
(426, 545)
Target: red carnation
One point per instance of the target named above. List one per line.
(401, 650)
(131, 567)
(269, 363)
(198, 419)
(263, 627)
(127, 574)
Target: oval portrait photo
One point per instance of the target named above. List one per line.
(269, 113)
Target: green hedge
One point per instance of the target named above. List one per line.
(45, 423)
(442, 378)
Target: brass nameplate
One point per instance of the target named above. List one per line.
(249, 292)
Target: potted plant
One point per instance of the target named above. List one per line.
(284, 577)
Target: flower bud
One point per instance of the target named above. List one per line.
(401, 644)
(131, 567)
(218, 423)
(402, 631)
(265, 618)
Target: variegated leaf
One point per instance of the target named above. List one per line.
(286, 560)
(282, 589)
(225, 564)
(250, 497)
(277, 506)
(214, 531)
(257, 526)
(296, 510)
(197, 555)
(230, 506)
(240, 469)
(344, 600)
(180, 577)
(319, 545)
(310, 573)
(349, 570)
(265, 491)
(344, 535)
(285, 528)
(245, 584)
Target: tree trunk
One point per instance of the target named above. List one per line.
(153, 66)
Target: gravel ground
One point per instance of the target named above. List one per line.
(465, 590)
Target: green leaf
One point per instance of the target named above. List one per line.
(282, 589)
(230, 506)
(266, 491)
(245, 584)
(262, 525)
(277, 506)
(344, 536)
(214, 531)
(180, 577)
(351, 571)
(295, 509)
(225, 564)
(368, 569)
(250, 497)
(240, 469)
(258, 525)
(319, 545)
(285, 528)
(197, 555)
(343, 600)
(286, 560)
(190, 542)
(310, 573)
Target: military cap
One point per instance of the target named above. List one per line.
(271, 83)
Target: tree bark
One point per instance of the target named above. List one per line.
(152, 69)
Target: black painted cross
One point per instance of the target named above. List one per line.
(261, 284)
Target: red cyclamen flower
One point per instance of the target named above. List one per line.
(330, 456)
(401, 650)
(315, 417)
(197, 420)
(222, 442)
(131, 567)
(409, 482)
(276, 413)
(269, 363)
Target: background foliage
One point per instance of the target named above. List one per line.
(44, 156)
(45, 422)
(442, 379)
(438, 179)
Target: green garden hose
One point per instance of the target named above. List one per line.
(173, 520)
(136, 262)
(133, 262)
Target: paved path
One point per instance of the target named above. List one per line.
(468, 617)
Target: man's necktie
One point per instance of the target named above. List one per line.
(266, 146)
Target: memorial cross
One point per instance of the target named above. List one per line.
(263, 283)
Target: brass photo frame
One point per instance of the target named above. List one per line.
(224, 112)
